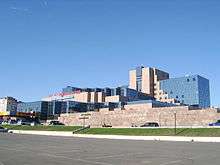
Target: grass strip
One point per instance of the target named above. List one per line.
(202, 132)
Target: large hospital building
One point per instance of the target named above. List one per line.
(146, 85)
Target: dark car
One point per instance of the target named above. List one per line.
(150, 124)
(56, 123)
(215, 124)
(3, 130)
(107, 126)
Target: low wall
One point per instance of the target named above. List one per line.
(134, 115)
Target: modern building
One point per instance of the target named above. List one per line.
(8, 106)
(147, 86)
(73, 96)
(98, 95)
(132, 95)
(40, 109)
(189, 90)
(145, 79)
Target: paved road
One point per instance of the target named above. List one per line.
(45, 150)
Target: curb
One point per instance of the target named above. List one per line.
(122, 137)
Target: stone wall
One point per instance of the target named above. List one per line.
(138, 115)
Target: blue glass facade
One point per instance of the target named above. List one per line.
(133, 95)
(190, 90)
(45, 109)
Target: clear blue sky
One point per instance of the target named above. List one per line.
(48, 44)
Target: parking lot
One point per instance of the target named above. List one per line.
(37, 150)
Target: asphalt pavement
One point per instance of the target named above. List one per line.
(16, 149)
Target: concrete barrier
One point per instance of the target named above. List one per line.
(122, 137)
(47, 133)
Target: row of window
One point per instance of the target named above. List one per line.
(178, 96)
(188, 80)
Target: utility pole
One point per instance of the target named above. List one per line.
(175, 122)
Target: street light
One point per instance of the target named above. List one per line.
(175, 122)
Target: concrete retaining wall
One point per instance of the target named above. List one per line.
(139, 115)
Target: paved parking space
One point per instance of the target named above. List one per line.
(37, 150)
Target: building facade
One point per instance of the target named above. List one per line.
(190, 90)
(145, 79)
(8, 106)
(40, 109)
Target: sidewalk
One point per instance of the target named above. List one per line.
(122, 137)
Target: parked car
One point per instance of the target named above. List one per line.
(106, 126)
(4, 123)
(133, 125)
(55, 123)
(3, 130)
(215, 124)
(150, 124)
(12, 122)
(28, 122)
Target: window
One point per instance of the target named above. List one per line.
(171, 92)
(182, 96)
(177, 97)
(194, 79)
(187, 80)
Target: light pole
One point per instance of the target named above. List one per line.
(175, 122)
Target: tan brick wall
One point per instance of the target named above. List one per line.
(142, 114)
(82, 97)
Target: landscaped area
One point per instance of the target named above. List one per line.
(204, 132)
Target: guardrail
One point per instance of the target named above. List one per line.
(81, 129)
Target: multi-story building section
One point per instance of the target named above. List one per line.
(98, 95)
(101, 97)
(94, 97)
(41, 109)
(189, 90)
(145, 79)
(8, 106)
(108, 91)
(38, 109)
(73, 96)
